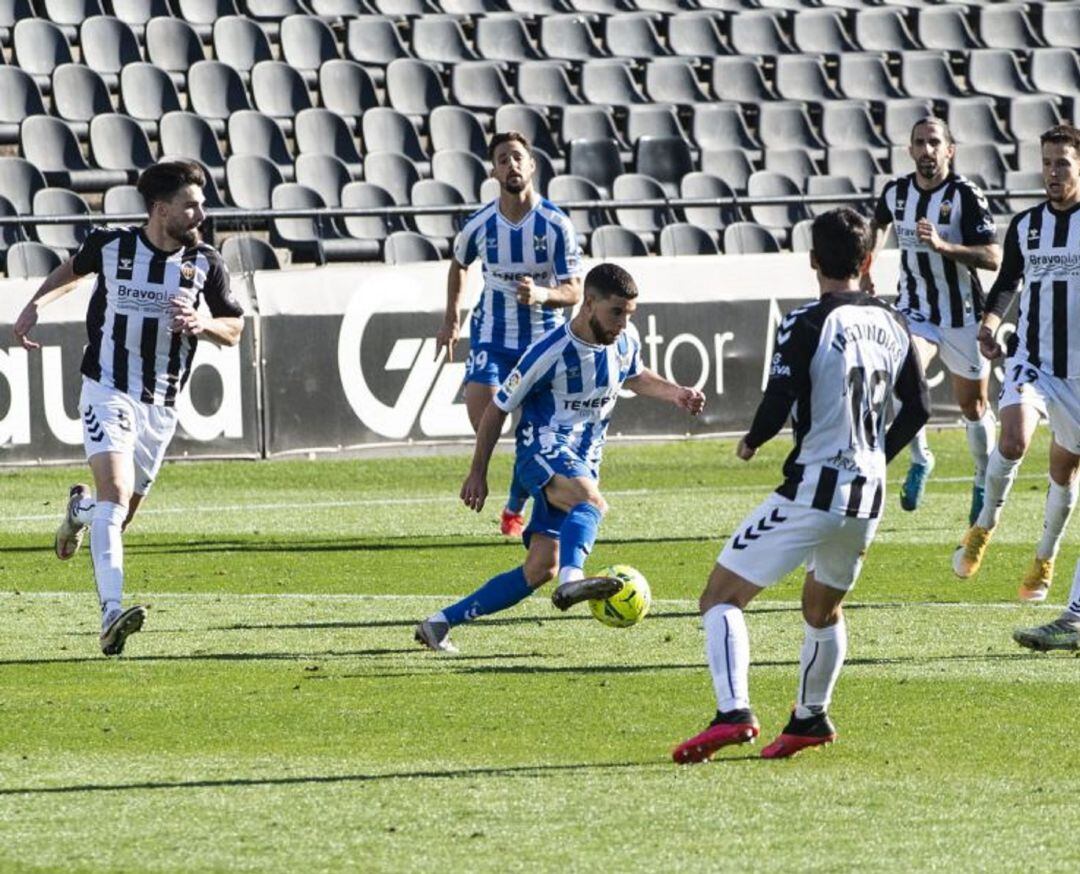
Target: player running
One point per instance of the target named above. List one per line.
(1042, 371)
(566, 385)
(837, 361)
(945, 231)
(142, 325)
(532, 275)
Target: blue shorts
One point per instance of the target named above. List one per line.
(534, 470)
(489, 366)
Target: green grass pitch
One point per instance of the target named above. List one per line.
(275, 715)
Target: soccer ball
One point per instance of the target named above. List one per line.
(629, 605)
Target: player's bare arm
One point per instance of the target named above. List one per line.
(222, 330)
(565, 294)
(448, 334)
(989, 347)
(866, 282)
(475, 489)
(982, 257)
(58, 283)
(651, 385)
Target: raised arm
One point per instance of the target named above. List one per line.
(650, 384)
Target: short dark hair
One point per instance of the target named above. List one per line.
(162, 180)
(1065, 134)
(933, 119)
(510, 136)
(841, 241)
(607, 280)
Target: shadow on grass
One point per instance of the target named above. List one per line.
(250, 656)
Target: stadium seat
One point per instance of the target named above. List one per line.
(1007, 26)
(901, 116)
(613, 241)
(609, 82)
(402, 8)
(857, 163)
(740, 79)
(865, 76)
(697, 34)
(983, 159)
(803, 77)
(732, 165)
(568, 37)
(51, 146)
(545, 83)
(117, 142)
(123, 200)
(1061, 24)
(69, 15)
(479, 85)
(453, 127)
(504, 37)
(802, 239)
(758, 32)
(306, 44)
(655, 120)
(673, 80)
(530, 121)
(373, 40)
(173, 46)
(387, 130)
(1030, 116)
(244, 253)
(883, 29)
(597, 160)
(479, 8)
(367, 195)
(307, 239)
(778, 218)
(279, 91)
(216, 91)
(822, 31)
(61, 201)
(633, 35)
(796, 164)
(405, 247)
(590, 123)
(27, 259)
(786, 125)
(996, 72)
(601, 7)
(186, 133)
(463, 171)
(490, 190)
(440, 39)
(566, 189)
(136, 14)
(1056, 71)
(413, 87)
(973, 120)
(945, 28)
(723, 126)
(848, 123)
(1029, 156)
(440, 228)
(539, 7)
(203, 14)
(747, 238)
(20, 180)
(324, 174)
(79, 94)
(108, 45)
(250, 179)
(39, 47)
(706, 186)
(1024, 180)
(646, 223)
(686, 239)
(212, 198)
(347, 89)
(147, 93)
(20, 98)
(927, 74)
(665, 159)
(9, 234)
(829, 185)
(253, 133)
(270, 13)
(393, 172)
(319, 131)
(240, 43)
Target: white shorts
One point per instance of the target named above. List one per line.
(958, 348)
(1055, 398)
(780, 535)
(116, 422)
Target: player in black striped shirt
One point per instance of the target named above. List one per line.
(143, 324)
(945, 231)
(1042, 370)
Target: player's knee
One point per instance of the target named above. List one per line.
(821, 615)
(1012, 446)
(973, 409)
(539, 572)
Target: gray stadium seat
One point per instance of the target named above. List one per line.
(52, 147)
(646, 223)
(244, 253)
(39, 47)
(566, 188)
(186, 133)
(68, 15)
(27, 259)
(865, 76)
(686, 239)
(848, 123)
(946, 28)
(530, 121)
(136, 14)
(117, 142)
(147, 93)
(697, 34)
(373, 41)
(479, 85)
(1061, 24)
(734, 166)
(319, 131)
(405, 247)
(202, 14)
(673, 80)
(1030, 116)
(9, 234)
(11, 12)
(796, 164)
(479, 8)
(856, 163)
(702, 186)
(609, 82)
(413, 87)
(786, 125)
(270, 13)
(173, 46)
(279, 91)
(778, 218)
(597, 160)
(504, 37)
(453, 127)
(439, 38)
(802, 239)
(387, 130)
(722, 126)
(216, 91)
(545, 83)
(984, 159)
(347, 89)
(973, 120)
(393, 172)
(613, 241)
(829, 185)
(1021, 180)
(654, 120)
(250, 179)
(665, 159)
(544, 173)
(927, 74)
(108, 45)
(401, 8)
(747, 238)
(884, 29)
(61, 201)
(462, 170)
(822, 31)
(901, 116)
(1056, 71)
(568, 37)
(79, 94)
(305, 238)
(439, 228)
(539, 7)
(758, 32)
(633, 35)
(1007, 26)
(996, 72)
(740, 79)
(252, 133)
(306, 44)
(803, 77)
(240, 43)
(590, 123)
(324, 174)
(20, 98)
(19, 182)
(123, 200)
(368, 195)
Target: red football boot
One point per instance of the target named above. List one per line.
(799, 734)
(511, 524)
(734, 727)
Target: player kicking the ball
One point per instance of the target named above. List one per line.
(837, 361)
(566, 385)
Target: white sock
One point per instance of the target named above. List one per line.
(820, 660)
(920, 449)
(84, 511)
(980, 438)
(727, 648)
(107, 551)
(1000, 476)
(569, 574)
(1072, 609)
(1060, 501)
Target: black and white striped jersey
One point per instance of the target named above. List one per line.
(1042, 253)
(836, 363)
(130, 347)
(932, 287)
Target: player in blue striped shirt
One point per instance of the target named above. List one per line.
(532, 275)
(566, 385)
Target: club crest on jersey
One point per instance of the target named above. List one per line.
(187, 271)
(540, 246)
(945, 212)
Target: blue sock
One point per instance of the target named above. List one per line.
(577, 535)
(496, 594)
(515, 502)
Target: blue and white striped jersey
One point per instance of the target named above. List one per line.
(542, 245)
(567, 389)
